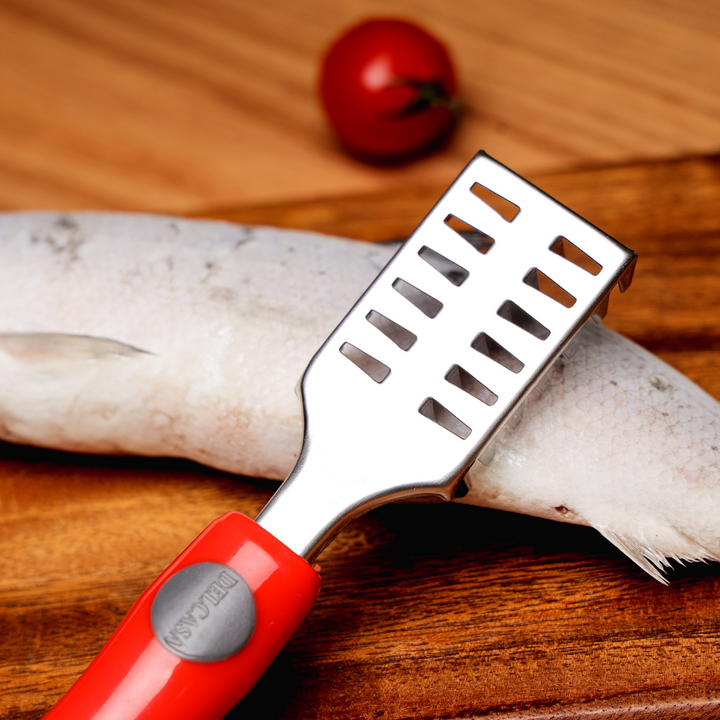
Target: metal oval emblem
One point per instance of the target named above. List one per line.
(205, 612)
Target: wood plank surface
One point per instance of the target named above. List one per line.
(178, 105)
(426, 611)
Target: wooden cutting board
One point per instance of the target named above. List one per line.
(426, 611)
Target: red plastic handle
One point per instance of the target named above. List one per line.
(202, 634)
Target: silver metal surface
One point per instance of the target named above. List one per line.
(436, 355)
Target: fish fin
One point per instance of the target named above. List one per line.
(654, 556)
(39, 348)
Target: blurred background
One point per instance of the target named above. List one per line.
(184, 106)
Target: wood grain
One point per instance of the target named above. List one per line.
(176, 105)
(426, 611)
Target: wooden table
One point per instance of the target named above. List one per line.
(179, 105)
(427, 611)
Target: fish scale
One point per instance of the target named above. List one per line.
(400, 400)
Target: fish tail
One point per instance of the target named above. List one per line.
(654, 548)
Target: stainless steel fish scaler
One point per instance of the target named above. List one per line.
(400, 400)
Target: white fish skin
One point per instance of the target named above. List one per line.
(212, 325)
(159, 336)
(620, 441)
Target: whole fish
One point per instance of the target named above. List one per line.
(152, 335)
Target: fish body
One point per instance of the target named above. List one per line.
(618, 440)
(153, 335)
(157, 336)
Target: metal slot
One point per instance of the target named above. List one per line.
(369, 365)
(461, 378)
(421, 300)
(492, 349)
(547, 286)
(447, 268)
(439, 414)
(403, 338)
(564, 248)
(477, 238)
(517, 316)
(502, 206)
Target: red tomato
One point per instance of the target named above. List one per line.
(388, 88)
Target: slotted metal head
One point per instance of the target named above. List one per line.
(434, 357)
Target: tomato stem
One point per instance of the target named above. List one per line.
(429, 94)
